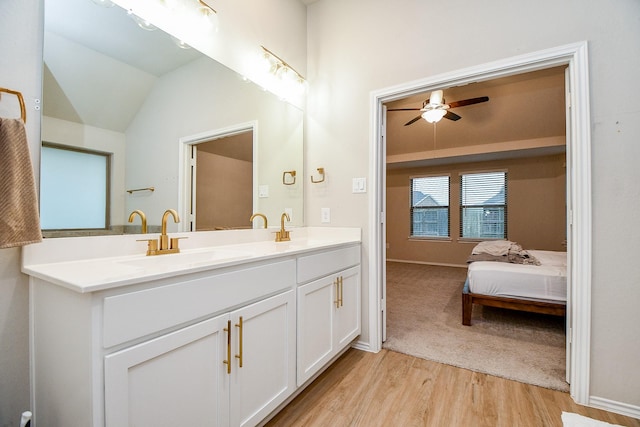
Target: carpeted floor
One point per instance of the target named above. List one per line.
(424, 319)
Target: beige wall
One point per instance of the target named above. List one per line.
(357, 47)
(224, 195)
(535, 209)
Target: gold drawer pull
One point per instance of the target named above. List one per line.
(239, 356)
(228, 361)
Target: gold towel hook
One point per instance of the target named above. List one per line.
(23, 111)
(293, 177)
(321, 172)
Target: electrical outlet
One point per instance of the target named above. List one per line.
(325, 215)
(263, 191)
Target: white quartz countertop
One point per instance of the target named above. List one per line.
(89, 264)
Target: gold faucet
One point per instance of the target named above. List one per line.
(167, 246)
(283, 235)
(261, 216)
(143, 217)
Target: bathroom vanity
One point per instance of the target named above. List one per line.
(220, 334)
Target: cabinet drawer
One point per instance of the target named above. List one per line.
(137, 314)
(311, 267)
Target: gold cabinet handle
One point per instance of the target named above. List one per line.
(340, 282)
(239, 355)
(337, 300)
(228, 361)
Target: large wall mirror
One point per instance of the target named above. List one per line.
(112, 85)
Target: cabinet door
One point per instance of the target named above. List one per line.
(178, 379)
(347, 322)
(264, 367)
(316, 306)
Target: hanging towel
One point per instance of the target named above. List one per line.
(19, 218)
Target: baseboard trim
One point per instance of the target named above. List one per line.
(406, 261)
(613, 406)
(364, 346)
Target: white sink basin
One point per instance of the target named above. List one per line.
(186, 259)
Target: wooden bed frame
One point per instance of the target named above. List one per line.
(469, 298)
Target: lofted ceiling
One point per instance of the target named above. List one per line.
(100, 65)
(525, 116)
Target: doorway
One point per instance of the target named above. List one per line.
(218, 175)
(222, 182)
(578, 192)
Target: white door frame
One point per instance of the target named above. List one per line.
(186, 183)
(578, 200)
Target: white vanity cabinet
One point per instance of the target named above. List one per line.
(176, 379)
(219, 335)
(207, 349)
(233, 369)
(328, 307)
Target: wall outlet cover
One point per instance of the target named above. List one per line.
(325, 215)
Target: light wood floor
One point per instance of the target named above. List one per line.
(393, 389)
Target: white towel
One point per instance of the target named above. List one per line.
(569, 419)
(19, 217)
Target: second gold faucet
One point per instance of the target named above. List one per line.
(283, 235)
(166, 245)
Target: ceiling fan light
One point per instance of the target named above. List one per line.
(434, 116)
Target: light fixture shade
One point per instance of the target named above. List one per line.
(104, 3)
(434, 116)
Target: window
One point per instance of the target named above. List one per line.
(430, 206)
(483, 205)
(74, 189)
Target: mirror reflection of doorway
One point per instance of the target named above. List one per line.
(222, 182)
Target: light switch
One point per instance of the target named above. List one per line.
(359, 185)
(263, 191)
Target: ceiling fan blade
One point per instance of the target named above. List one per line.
(452, 116)
(403, 109)
(466, 102)
(412, 121)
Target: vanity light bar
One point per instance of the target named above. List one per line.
(207, 6)
(282, 63)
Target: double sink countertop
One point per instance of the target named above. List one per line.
(89, 264)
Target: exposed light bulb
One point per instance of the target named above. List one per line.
(209, 17)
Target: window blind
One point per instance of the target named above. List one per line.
(483, 205)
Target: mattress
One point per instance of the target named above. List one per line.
(544, 282)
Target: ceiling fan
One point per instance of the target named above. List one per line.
(434, 108)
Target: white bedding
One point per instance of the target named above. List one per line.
(546, 282)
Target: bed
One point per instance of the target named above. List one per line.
(537, 285)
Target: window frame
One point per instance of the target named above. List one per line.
(447, 208)
(108, 162)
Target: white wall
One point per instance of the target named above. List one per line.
(20, 69)
(359, 46)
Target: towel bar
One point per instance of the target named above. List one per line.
(23, 111)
